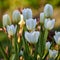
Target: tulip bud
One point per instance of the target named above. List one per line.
(31, 24)
(15, 16)
(27, 13)
(32, 37)
(53, 53)
(57, 37)
(48, 10)
(42, 17)
(6, 20)
(48, 44)
(11, 30)
(49, 24)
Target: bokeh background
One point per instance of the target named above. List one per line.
(37, 6)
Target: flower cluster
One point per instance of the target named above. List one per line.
(37, 39)
(11, 25)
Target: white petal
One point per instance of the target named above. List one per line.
(27, 36)
(36, 36)
(48, 44)
(50, 53)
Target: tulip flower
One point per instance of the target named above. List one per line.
(16, 16)
(6, 20)
(49, 24)
(32, 37)
(48, 10)
(11, 30)
(48, 44)
(53, 53)
(42, 17)
(31, 24)
(27, 13)
(57, 37)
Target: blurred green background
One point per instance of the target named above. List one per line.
(37, 6)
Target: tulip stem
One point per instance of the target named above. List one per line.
(36, 51)
(16, 48)
(26, 48)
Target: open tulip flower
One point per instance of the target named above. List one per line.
(31, 24)
(49, 24)
(27, 42)
(32, 37)
(53, 53)
(11, 29)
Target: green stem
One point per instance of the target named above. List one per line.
(26, 49)
(15, 46)
(36, 51)
(42, 41)
(3, 52)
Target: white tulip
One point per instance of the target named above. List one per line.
(6, 20)
(16, 16)
(49, 24)
(11, 30)
(27, 13)
(57, 37)
(31, 24)
(42, 17)
(53, 53)
(48, 10)
(48, 44)
(32, 37)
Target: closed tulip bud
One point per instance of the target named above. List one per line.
(11, 30)
(27, 13)
(49, 24)
(6, 20)
(42, 17)
(32, 37)
(48, 44)
(48, 10)
(53, 53)
(15, 16)
(57, 37)
(31, 24)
